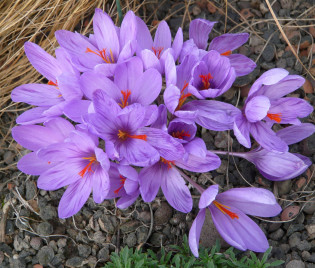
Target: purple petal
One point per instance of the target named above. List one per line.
(178, 43)
(228, 42)
(242, 233)
(199, 30)
(126, 201)
(194, 232)
(151, 114)
(144, 38)
(60, 126)
(132, 183)
(253, 201)
(208, 196)
(296, 133)
(184, 130)
(74, 198)
(175, 190)
(128, 29)
(161, 119)
(150, 60)
(127, 51)
(196, 147)
(241, 131)
(32, 165)
(150, 181)
(163, 37)
(44, 63)
(105, 106)
(76, 109)
(170, 70)
(171, 98)
(70, 87)
(256, 109)
(241, 64)
(37, 94)
(267, 138)
(100, 184)
(32, 116)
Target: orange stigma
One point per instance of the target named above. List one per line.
(124, 135)
(226, 53)
(224, 210)
(180, 135)
(51, 83)
(157, 51)
(205, 79)
(124, 100)
(183, 97)
(102, 54)
(276, 117)
(122, 183)
(88, 167)
(167, 162)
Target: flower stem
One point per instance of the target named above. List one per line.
(227, 153)
(196, 185)
(119, 11)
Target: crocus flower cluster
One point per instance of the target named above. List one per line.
(104, 124)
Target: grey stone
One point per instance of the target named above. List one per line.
(57, 260)
(267, 65)
(45, 255)
(290, 62)
(8, 157)
(129, 226)
(294, 240)
(62, 242)
(98, 237)
(223, 167)
(1, 257)
(295, 264)
(48, 213)
(277, 235)
(269, 53)
(9, 228)
(309, 208)
(45, 228)
(157, 239)
(142, 233)
(304, 246)
(284, 187)
(163, 214)
(144, 216)
(17, 263)
(295, 228)
(222, 139)
(106, 224)
(84, 250)
(286, 4)
(36, 243)
(305, 255)
(30, 190)
(131, 240)
(74, 262)
(19, 244)
(103, 254)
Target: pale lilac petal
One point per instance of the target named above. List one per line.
(70, 87)
(170, 70)
(228, 42)
(83, 141)
(32, 116)
(107, 70)
(44, 63)
(194, 232)
(74, 198)
(184, 70)
(196, 147)
(59, 152)
(64, 59)
(241, 131)
(163, 37)
(104, 105)
(161, 120)
(199, 30)
(132, 183)
(165, 144)
(100, 184)
(127, 51)
(296, 133)
(256, 109)
(241, 64)
(182, 129)
(55, 110)
(150, 60)
(267, 138)
(175, 190)
(151, 114)
(144, 38)
(132, 117)
(105, 33)
(76, 109)
(150, 182)
(32, 165)
(178, 43)
(61, 126)
(189, 49)
(126, 201)
(128, 29)
(36, 94)
(171, 97)
(208, 196)
(253, 201)
(242, 233)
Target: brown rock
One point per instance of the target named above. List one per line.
(300, 183)
(311, 48)
(307, 87)
(211, 8)
(196, 10)
(245, 90)
(289, 213)
(163, 214)
(201, 3)
(312, 31)
(305, 44)
(246, 13)
(312, 71)
(303, 53)
(38, 266)
(291, 33)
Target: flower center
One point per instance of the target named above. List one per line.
(224, 210)
(157, 51)
(183, 97)
(51, 83)
(226, 53)
(275, 117)
(102, 54)
(205, 80)
(124, 100)
(167, 162)
(124, 135)
(88, 167)
(180, 134)
(122, 183)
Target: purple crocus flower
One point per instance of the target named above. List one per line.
(34, 138)
(125, 129)
(80, 164)
(124, 184)
(106, 47)
(182, 129)
(199, 31)
(228, 211)
(63, 85)
(164, 174)
(285, 166)
(265, 102)
(153, 53)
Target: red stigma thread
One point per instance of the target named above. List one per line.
(224, 210)
(124, 135)
(124, 100)
(183, 97)
(276, 117)
(122, 183)
(51, 83)
(205, 79)
(157, 51)
(180, 135)
(167, 162)
(226, 53)
(102, 54)
(88, 167)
